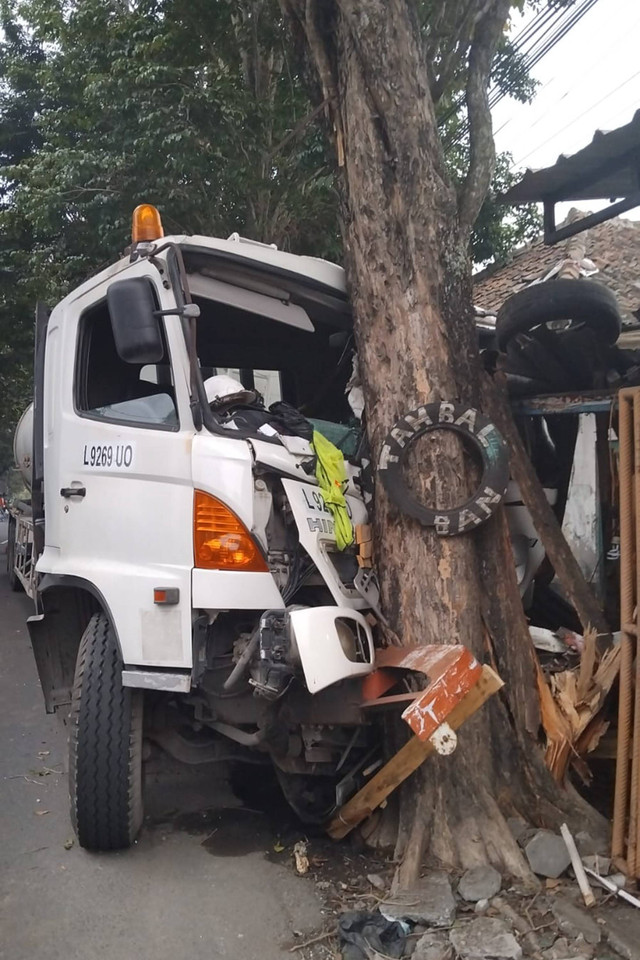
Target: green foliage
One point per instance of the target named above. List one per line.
(20, 98)
(181, 103)
(196, 106)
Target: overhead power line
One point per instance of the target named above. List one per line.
(533, 43)
(584, 113)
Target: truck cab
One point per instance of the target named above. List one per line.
(188, 570)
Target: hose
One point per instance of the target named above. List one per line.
(240, 668)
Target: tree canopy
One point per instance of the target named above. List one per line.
(196, 106)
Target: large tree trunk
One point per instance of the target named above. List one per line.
(409, 276)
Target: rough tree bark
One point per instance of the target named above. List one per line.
(406, 237)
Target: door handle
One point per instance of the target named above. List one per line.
(73, 492)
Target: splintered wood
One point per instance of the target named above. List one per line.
(570, 706)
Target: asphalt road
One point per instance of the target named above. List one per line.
(203, 880)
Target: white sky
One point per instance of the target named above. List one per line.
(589, 81)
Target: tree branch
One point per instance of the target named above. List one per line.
(450, 57)
(482, 157)
(299, 128)
(304, 17)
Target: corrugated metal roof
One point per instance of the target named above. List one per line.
(609, 167)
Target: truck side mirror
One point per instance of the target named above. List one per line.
(135, 324)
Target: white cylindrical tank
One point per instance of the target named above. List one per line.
(23, 445)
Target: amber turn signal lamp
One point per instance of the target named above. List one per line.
(220, 540)
(146, 223)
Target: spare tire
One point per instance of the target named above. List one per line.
(485, 438)
(581, 301)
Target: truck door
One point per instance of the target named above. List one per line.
(117, 469)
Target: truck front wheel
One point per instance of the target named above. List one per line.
(105, 745)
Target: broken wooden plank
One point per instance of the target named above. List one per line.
(407, 760)
(364, 532)
(432, 706)
(578, 591)
(365, 549)
(587, 665)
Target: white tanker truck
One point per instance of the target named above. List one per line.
(20, 569)
(196, 581)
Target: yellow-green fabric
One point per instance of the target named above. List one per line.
(332, 477)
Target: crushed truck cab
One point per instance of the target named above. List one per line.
(189, 586)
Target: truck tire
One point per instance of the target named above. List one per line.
(105, 745)
(14, 582)
(582, 301)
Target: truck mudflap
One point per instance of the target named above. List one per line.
(457, 686)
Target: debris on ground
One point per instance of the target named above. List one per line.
(578, 868)
(615, 884)
(428, 901)
(564, 949)
(439, 923)
(363, 935)
(432, 946)
(573, 921)
(485, 937)
(376, 881)
(599, 864)
(300, 857)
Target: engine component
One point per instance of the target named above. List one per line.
(242, 663)
(472, 426)
(274, 670)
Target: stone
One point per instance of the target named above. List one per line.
(485, 937)
(546, 939)
(518, 828)
(558, 949)
(623, 938)
(376, 881)
(547, 854)
(573, 921)
(600, 865)
(562, 949)
(432, 947)
(576, 956)
(619, 879)
(481, 907)
(588, 846)
(480, 883)
(430, 901)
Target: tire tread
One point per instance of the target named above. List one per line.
(105, 748)
(560, 299)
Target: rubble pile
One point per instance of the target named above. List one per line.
(482, 915)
